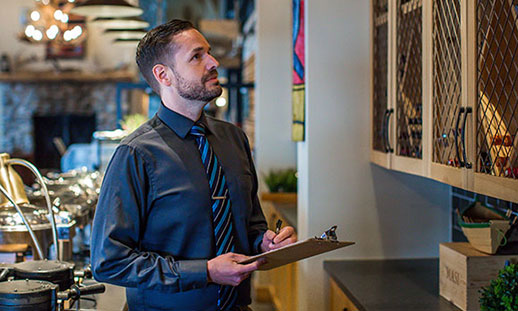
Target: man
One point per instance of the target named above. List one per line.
(178, 208)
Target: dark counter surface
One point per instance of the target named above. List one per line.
(390, 285)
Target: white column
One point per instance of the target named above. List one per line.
(274, 148)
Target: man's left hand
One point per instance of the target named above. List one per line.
(273, 241)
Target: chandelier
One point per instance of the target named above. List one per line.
(50, 21)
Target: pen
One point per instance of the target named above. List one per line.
(278, 226)
(277, 229)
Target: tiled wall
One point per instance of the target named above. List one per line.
(462, 198)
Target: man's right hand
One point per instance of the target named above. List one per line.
(225, 269)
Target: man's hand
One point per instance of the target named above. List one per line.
(225, 269)
(273, 241)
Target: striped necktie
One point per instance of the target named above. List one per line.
(221, 212)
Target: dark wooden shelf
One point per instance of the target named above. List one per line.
(49, 76)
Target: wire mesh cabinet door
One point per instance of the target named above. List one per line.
(495, 115)
(380, 140)
(408, 87)
(446, 162)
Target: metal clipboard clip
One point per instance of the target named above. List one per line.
(329, 234)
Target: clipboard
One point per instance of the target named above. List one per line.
(297, 251)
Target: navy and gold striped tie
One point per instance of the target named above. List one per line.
(222, 214)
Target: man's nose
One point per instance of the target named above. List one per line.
(212, 63)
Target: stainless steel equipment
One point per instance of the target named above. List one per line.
(42, 278)
(75, 192)
(14, 196)
(34, 295)
(58, 272)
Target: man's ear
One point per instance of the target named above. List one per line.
(162, 74)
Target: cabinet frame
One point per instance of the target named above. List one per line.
(461, 177)
(455, 176)
(378, 157)
(393, 160)
(486, 184)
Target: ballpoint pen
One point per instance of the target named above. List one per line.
(278, 226)
(277, 229)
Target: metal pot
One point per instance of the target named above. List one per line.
(14, 231)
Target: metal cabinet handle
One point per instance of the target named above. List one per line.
(456, 135)
(389, 113)
(463, 137)
(384, 130)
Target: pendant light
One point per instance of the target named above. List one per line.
(125, 33)
(120, 23)
(106, 8)
(126, 42)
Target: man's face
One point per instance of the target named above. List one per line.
(194, 68)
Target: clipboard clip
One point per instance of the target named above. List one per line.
(329, 234)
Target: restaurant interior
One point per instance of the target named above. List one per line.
(391, 125)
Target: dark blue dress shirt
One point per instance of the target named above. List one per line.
(153, 232)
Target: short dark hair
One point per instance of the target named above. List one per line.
(156, 45)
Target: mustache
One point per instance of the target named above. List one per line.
(211, 75)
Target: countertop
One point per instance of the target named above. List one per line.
(390, 285)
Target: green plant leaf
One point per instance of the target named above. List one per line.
(281, 180)
(502, 293)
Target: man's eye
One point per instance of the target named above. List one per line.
(196, 56)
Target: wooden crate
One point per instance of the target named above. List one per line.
(463, 271)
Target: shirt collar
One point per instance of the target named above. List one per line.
(180, 124)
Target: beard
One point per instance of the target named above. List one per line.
(198, 91)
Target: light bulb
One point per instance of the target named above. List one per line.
(29, 30)
(58, 14)
(77, 31)
(67, 36)
(221, 102)
(64, 18)
(52, 32)
(37, 35)
(35, 16)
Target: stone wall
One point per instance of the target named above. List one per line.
(19, 101)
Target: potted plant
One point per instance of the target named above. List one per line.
(282, 185)
(502, 293)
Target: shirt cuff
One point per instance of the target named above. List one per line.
(193, 274)
(257, 244)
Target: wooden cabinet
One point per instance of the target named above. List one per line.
(338, 299)
(493, 94)
(380, 106)
(452, 86)
(397, 108)
(447, 101)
